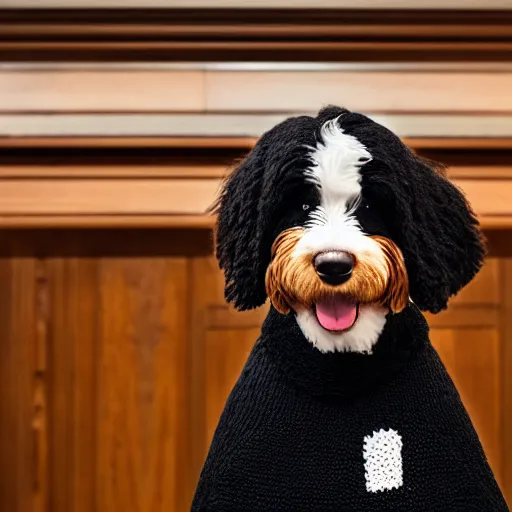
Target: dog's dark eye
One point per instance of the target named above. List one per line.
(305, 207)
(364, 204)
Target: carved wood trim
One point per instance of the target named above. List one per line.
(140, 142)
(254, 34)
(171, 182)
(246, 143)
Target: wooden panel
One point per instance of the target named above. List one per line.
(483, 289)
(245, 4)
(109, 221)
(488, 197)
(90, 197)
(245, 143)
(469, 339)
(156, 90)
(298, 32)
(165, 196)
(480, 172)
(118, 352)
(22, 416)
(470, 317)
(71, 293)
(172, 125)
(472, 357)
(222, 341)
(114, 171)
(237, 125)
(94, 374)
(141, 430)
(408, 91)
(96, 91)
(506, 366)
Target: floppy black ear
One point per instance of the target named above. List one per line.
(238, 233)
(429, 218)
(437, 232)
(248, 208)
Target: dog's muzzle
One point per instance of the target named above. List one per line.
(334, 267)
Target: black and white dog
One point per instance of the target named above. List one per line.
(343, 404)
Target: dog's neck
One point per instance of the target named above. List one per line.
(343, 373)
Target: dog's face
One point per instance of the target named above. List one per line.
(335, 220)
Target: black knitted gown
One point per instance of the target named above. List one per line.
(346, 432)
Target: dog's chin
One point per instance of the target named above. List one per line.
(336, 314)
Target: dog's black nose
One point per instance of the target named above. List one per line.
(334, 267)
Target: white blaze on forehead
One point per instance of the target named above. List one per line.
(335, 170)
(336, 164)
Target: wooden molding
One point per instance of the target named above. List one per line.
(131, 142)
(78, 90)
(244, 143)
(108, 196)
(251, 4)
(255, 35)
(238, 124)
(171, 182)
(107, 222)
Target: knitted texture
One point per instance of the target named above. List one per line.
(305, 431)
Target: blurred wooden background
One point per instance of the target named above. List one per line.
(117, 350)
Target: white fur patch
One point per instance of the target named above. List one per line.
(361, 337)
(382, 454)
(335, 169)
(332, 226)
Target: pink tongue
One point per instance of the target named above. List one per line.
(336, 313)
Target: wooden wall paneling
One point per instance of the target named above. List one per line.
(506, 364)
(74, 90)
(223, 143)
(398, 91)
(126, 222)
(101, 91)
(488, 197)
(106, 196)
(472, 358)
(35, 126)
(174, 195)
(23, 466)
(211, 171)
(70, 288)
(222, 340)
(484, 289)
(250, 5)
(205, 285)
(469, 341)
(142, 384)
(94, 373)
(268, 34)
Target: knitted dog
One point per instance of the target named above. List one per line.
(343, 404)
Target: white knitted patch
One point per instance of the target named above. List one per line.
(382, 453)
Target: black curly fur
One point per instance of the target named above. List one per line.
(246, 209)
(426, 215)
